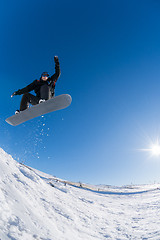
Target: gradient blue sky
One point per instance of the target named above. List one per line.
(109, 54)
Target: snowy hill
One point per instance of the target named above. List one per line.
(35, 205)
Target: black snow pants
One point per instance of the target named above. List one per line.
(29, 98)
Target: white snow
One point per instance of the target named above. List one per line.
(31, 208)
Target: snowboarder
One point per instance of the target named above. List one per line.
(44, 88)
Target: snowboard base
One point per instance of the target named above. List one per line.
(51, 105)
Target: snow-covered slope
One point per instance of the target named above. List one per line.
(34, 205)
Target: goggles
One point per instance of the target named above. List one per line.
(45, 74)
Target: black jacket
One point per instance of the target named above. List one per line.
(36, 84)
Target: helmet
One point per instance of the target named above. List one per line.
(44, 74)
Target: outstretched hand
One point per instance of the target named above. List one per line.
(15, 93)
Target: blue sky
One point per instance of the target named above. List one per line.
(109, 54)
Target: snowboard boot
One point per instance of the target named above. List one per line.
(42, 100)
(17, 111)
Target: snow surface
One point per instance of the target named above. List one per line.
(35, 205)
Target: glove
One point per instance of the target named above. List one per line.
(16, 93)
(56, 60)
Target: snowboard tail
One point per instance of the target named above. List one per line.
(51, 105)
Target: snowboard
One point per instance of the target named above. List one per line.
(51, 105)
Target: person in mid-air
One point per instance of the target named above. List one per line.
(44, 89)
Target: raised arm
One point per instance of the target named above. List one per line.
(55, 76)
